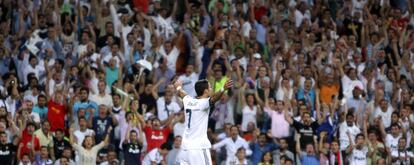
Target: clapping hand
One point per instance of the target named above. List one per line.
(228, 84)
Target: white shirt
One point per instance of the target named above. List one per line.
(10, 105)
(242, 61)
(171, 57)
(392, 142)
(343, 137)
(93, 59)
(385, 116)
(280, 93)
(249, 115)
(299, 17)
(87, 156)
(236, 161)
(35, 117)
(164, 27)
(37, 70)
(302, 82)
(153, 156)
(82, 49)
(246, 27)
(196, 123)
(358, 6)
(102, 100)
(80, 136)
(53, 85)
(189, 83)
(117, 58)
(232, 146)
(28, 96)
(359, 157)
(349, 85)
(179, 129)
(405, 154)
(166, 110)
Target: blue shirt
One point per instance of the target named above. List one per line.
(257, 151)
(4, 65)
(308, 97)
(111, 75)
(309, 160)
(41, 111)
(85, 105)
(261, 33)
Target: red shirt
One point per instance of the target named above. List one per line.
(155, 138)
(399, 23)
(27, 143)
(259, 12)
(141, 5)
(56, 115)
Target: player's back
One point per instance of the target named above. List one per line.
(196, 123)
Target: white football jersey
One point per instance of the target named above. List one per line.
(392, 142)
(196, 123)
(359, 157)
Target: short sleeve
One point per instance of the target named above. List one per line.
(186, 97)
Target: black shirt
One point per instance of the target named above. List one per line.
(6, 153)
(306, 132)
(132, 153)
(59, 146)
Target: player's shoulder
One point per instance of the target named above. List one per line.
(187, 98)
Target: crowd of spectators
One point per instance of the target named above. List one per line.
(326, 82)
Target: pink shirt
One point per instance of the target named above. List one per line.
(280, 127)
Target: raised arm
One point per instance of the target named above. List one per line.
(297, 138)
(107, 137)
(154, 89)
(287, 117)
(216, 96)
(351, 143)
(141, 135)
(178, 86)
(258, 99)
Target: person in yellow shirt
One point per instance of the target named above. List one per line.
(45, 136)
(217, 72)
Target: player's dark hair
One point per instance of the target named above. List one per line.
(395, 125)
(289, 160)
(116, 94)
(85, 89)
(200, 86)
(59, 130)
(81, 118)
(42, 96)
(350, 114)
(165, 146)
(359, 135)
